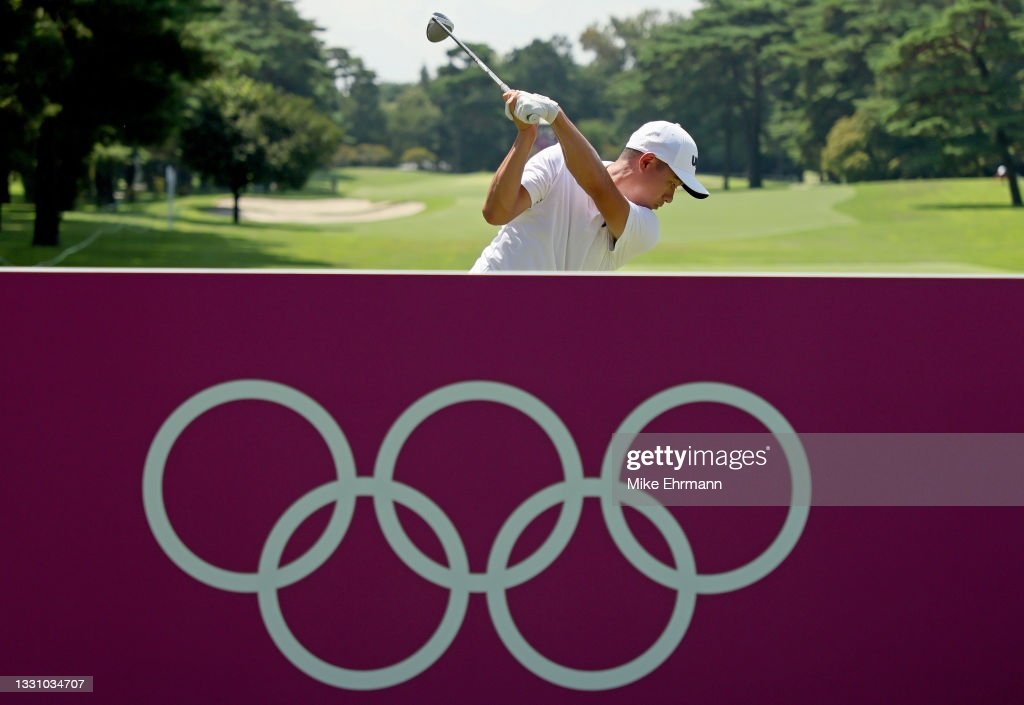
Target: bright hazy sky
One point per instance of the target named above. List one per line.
(390, 35)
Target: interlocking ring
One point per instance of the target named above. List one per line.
(385, 491)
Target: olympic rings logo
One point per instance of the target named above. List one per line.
(456, 576)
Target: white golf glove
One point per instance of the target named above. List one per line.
(532, 108)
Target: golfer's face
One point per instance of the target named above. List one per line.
(660, 184)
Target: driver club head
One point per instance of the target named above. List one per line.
(437, 26)
(440, 27)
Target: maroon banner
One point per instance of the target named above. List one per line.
(289, 488)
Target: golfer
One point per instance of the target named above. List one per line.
(565, 209)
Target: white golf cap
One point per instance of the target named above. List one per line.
(673, 145)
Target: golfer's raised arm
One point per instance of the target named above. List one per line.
(507, 197)
(591, 174)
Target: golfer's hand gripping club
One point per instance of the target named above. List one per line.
(530, 108)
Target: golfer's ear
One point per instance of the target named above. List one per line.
(646, 159)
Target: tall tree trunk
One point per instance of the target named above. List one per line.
(235, 212)
(754, 134)
(1014, 186)
(5, 188)
(46, 232)
(1003, 142)
(103, 183)
(1011, 167)
(729, 132)
(5, 181)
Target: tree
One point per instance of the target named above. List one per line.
(15, 30)
(544, 67)
(361, 112)
(610, 81)
(240, 132)
(106, 164)
(857, 147)
(671, 66)
(826, 70)
(270, 42)
(715, 68)
(961, 79)
(423, 158)
(474, 132)
(75, 87)
(413, 121)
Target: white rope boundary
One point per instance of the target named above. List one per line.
(78, 247)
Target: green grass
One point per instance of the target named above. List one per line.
(938, 226)
(934, 226)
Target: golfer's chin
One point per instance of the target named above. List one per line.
(646, 200)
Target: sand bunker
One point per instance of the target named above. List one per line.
(322, 210)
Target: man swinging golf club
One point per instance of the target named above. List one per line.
(565, 209)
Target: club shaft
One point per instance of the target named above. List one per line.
(474, 57)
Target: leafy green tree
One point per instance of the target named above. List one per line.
(106, 164)
(75, 87)
(270, 42)
(544, 67)
(857, 148)
(611, 88)
(361, 110)
(715, 69)
(826, 69)
(474, 132)
(421, 157)
(363, 154)
(961, 79)
(15, 31)
(861, 148)
(413, 121)
(240, 132)
(606, 138)
(671, 67)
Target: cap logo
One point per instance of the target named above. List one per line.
(693, 160)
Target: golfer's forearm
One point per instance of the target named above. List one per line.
(499, 207)
(582, 160)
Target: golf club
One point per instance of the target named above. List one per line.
(440, 27)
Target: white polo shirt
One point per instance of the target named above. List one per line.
(563, 230)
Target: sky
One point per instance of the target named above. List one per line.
(390, 35)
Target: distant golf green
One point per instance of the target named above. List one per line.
(934, 226)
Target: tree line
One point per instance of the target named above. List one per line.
(242, 92)
(880, 89)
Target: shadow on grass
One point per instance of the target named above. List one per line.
(964, 207)
(138, 247)
(125, 245)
